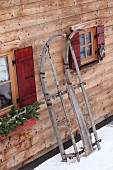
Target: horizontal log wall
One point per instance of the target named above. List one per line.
(32, 22)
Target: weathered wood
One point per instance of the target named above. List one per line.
(33, 22)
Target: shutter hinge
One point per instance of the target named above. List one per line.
(96, 51)
(13, 62)
(17, 100)
(96, 36)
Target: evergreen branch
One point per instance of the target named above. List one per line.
(17, 117)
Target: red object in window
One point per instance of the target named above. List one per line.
(25, 76)
(75, 42)
(30, 122)
(100, 41)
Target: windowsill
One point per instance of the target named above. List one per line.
(89, 64)
(30, 122)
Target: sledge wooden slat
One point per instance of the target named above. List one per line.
(26, 76)
(34, 25)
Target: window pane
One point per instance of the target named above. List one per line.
(82, 40)
(5, 95)
(4, 71)
(88, 37)
(89, 50)
(82, 53)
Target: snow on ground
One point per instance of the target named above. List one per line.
(98, 160)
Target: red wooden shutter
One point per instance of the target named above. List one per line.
(25, 76)
(75, 42)
(100, 41)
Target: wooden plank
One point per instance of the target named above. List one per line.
(110, 3)
(109, 30)
(52, 4)
(7, 153)
(10, 13)
(8, 3)
(9, 37)
(43, 19)
(43, 6)
(10, 46)
(46, 17)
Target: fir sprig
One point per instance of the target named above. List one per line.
(18, 117)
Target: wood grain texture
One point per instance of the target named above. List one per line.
(31, 23)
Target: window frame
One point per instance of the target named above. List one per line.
(94, 56)
(13, 80)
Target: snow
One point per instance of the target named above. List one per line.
(98, 160)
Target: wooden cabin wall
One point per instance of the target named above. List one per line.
(32, 22)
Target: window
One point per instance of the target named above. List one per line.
(17, 79)
(7, 82)
(88, 46)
